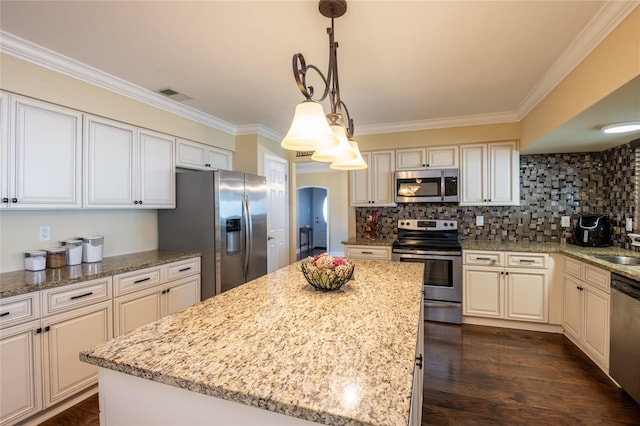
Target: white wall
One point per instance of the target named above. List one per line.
(124, 231)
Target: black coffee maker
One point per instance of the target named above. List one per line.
(593, 231)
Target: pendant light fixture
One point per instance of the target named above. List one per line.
(311, 130)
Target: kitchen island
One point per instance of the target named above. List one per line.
(275, 351)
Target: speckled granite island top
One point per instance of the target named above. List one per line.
(19, 282)
(276, 343)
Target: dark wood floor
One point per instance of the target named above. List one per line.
(491, 376)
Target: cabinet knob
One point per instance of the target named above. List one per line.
(5, 200)
(419, 361)
(425, 165)
(140, 202)
(207, 165)
(14, 200)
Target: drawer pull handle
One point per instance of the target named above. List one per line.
(184, 269)
(483, 258)
(80, 296)
(142, 280)
(527, 261)
(4, 314)
(366, 252)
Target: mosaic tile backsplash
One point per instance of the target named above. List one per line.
(551, 186)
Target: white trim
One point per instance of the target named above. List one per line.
(600, 26)
(259, 129)
(31, 52)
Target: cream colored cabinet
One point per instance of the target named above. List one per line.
(586, 309)
(373, 186)
(4, 149)
(127, 167)
(367, 252)
(490, 174)
(42, 157)
(506, 285)
(441, 157)
(145, 296)
(20, 358)
(198, 156)
(417, 391)
(75, 317)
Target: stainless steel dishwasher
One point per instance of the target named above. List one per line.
(625, 334)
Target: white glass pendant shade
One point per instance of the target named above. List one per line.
(309, 129)
(356, 164)
(341, 152)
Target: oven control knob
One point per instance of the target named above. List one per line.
(446, 224)
(452, 224)
(401, 223)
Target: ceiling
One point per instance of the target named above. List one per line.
(403, 65)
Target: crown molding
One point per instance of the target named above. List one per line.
(31, 52)
(438, 123)
(260, 130)
(600, 26)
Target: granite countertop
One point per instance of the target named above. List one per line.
(19, 282)
(276, 343)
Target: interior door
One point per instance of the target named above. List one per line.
(276, 170)
(319, 198)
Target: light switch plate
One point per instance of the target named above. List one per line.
(566, 221)
(629, 224)
(479, 220)
(45, 233)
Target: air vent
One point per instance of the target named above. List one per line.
(172, 94)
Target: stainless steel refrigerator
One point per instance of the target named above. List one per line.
(223, 215)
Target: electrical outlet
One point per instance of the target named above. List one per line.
(565, 221)
(629, 225)
(479, 220)
(45, 233)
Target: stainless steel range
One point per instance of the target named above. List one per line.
(434, 242)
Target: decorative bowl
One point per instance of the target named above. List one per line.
(327, 273)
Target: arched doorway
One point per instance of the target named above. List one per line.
(312, 221)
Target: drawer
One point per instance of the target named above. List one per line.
(137, 280)
(482, 258)
(366, 252)
(527, 260)
(597, 277)
(19, 309)
(183, 268)
(61, 299)
(572, 267)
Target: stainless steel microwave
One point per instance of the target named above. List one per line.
(427, 186)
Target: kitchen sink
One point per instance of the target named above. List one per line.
(621, 260)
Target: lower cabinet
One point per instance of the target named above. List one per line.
(415, 414)
(367, 252)
(506, 285)
(586, 309)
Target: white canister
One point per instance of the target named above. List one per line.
(92, 249)
(74, 251)
(35, 260)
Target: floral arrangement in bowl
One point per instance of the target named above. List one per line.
(326, 272)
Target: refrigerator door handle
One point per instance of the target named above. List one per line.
(247, 234)
(250, 237)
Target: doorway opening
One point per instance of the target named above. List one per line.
(312, 221)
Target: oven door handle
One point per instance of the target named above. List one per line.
(427, 252)
(441, 305)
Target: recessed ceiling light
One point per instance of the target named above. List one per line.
(629, 126)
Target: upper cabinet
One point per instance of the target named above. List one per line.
(373, 186)
(198, 156)
(41, 156)
(490, 174)
(127, 167)
(441, 157)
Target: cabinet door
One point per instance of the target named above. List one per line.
(219, 159)
(156, 176)
(473, 174)
(181, 294)
(47, 165)
(526, 295)
(482, 292)
(137, 309)
(360, 184)
(504, 174)
(383, 177)
(66, 335)
(4, 150)
(596, 324)
(411, 159)
(572, 307)
(109, 156)
(191, 155)
(20, 364)
(442, 157)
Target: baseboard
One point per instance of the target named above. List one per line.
(60, 407)
(517, 325)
